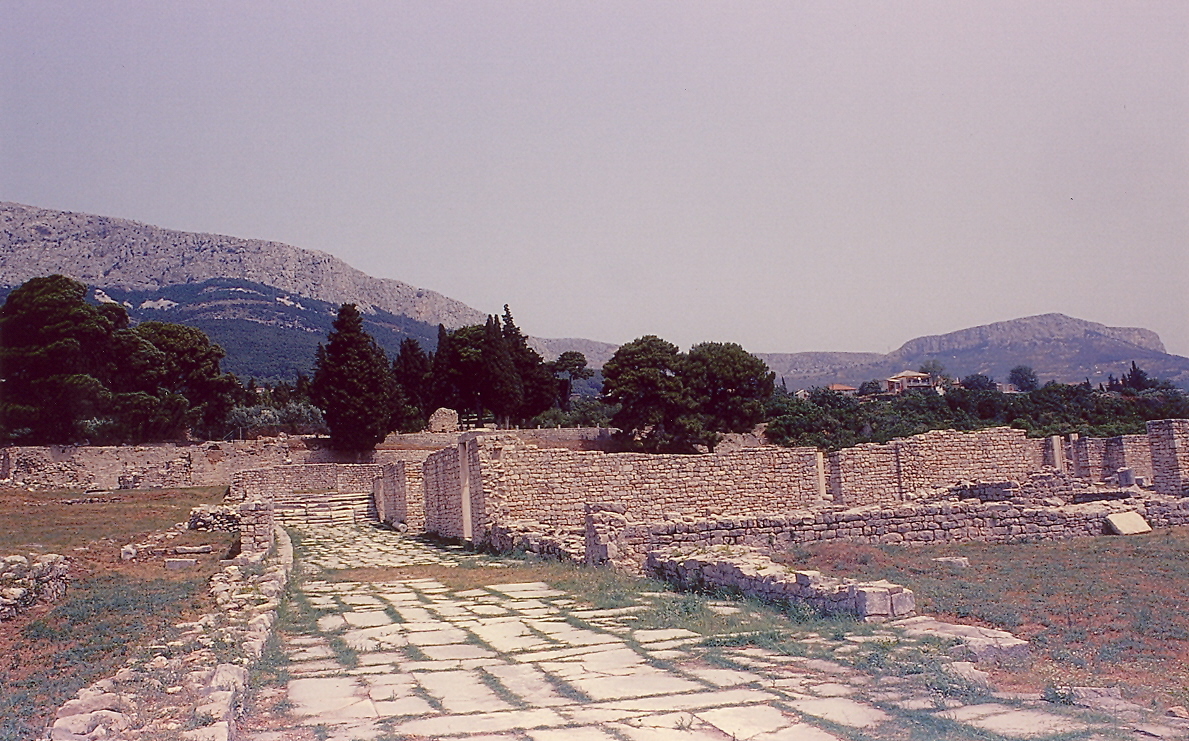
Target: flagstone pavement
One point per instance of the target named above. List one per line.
(522, 661)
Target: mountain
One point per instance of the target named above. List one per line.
(118, 253)
(269, 305)
(1058, 347)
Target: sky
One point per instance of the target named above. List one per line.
(791, 176)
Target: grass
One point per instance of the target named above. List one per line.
(44, 521)
(87, 636)
(112, 610)
(1103, 611)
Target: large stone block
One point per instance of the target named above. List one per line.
(1127, 523)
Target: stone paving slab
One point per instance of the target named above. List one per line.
(523, 661)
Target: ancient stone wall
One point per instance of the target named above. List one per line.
(28, 580)
(1127, 451)
(256, 520)
(512, 480)
(1169, 441)
(443, 493)
(864, 474)
(1089, 456)
(626, 544)
(748, 572)
(142, 466)
(942, 457)
(1039, 452)
(320, 493)
(871, 473)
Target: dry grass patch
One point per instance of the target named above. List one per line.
(112, 609)
(1099, 611)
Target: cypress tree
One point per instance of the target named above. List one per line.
(540, 387)
(412, 371)
(503, 393)
(353, 384)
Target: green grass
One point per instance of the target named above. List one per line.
(86, 637)
(1107, 607)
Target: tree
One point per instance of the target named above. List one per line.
(190, 368)
(1023, 378)
(570, 366)
(502, 392)
(353, 385)
(934, 368)
(869, 388)
(52, 355)
(643, 377)
(74, 371)
(979, 382)
(729, 386)
(537, 382)
(413, 372)
(1137, 379)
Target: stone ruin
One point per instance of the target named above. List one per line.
(28, 580)
(507, 491)
(557, 492)
(443, 420)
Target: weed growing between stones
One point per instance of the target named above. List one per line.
(492, 683)
(346, 655)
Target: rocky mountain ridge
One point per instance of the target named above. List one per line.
(120, 253)
(270, 303)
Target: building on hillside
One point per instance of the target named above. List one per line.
(908, 380)
(841, 388)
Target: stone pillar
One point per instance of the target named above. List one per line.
(1057, 446)
(1169, 440)
(823, 493)
(464, 481)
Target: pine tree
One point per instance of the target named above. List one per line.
(353, 384)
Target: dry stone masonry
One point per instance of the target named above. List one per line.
(746, 571)
(29, 580)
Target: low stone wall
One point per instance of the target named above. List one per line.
(505, 479)
(872, 472)
(143, 466)
(443, 493)
(28, 580)
(1127, 451)
(321, 493)
(613, 538)
(748, 572)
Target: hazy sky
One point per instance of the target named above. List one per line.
(788, 175)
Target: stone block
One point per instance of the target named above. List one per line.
(1127, 523)
(180, 564)
(872, 602)
(903, 603)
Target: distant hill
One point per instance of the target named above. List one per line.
(1058, 347)
(196, 275)
(269, 305)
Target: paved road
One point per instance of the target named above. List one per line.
(523, 661)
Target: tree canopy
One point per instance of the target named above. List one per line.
(673, 402)
(829, 420)
(1023, 378)
(353, 384)
(73, 371)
